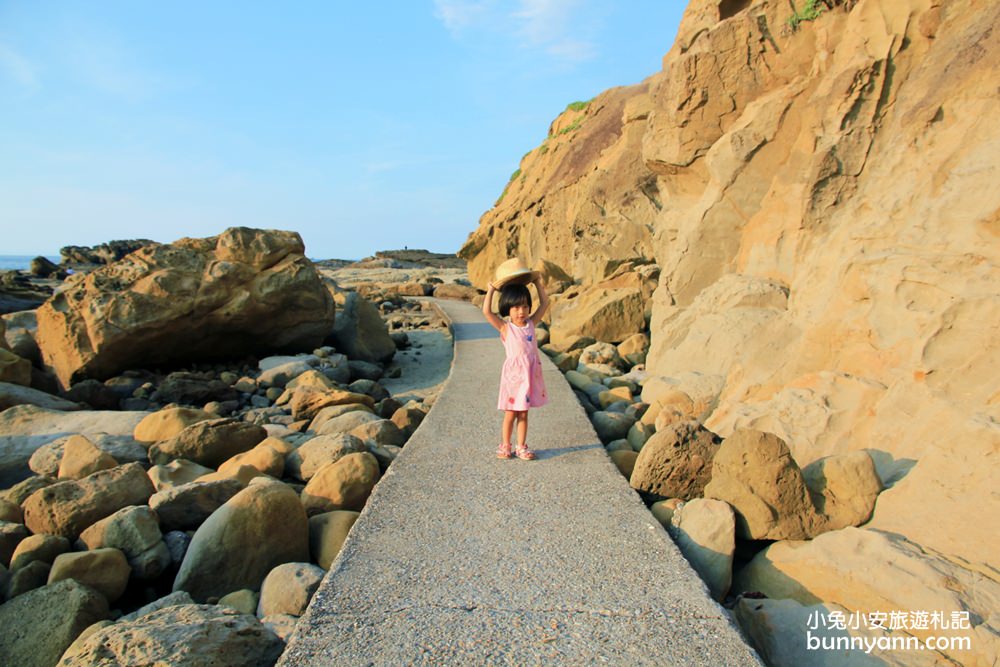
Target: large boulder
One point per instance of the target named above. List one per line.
(244, 291)
(67, 508)
(210, 442)
(359, 331)
(39, 625)
(48, 459)
(167, 423)
(676, 462)
(705, 532)
(181, 635)
(257, 529)
(343, 485)
(25, 428)
(186, 506)
(756, 474)
(19, 335)
(606, 314)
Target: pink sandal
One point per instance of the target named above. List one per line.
(524, 453)
(503, 451)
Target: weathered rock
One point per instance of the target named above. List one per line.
(611, 425)
(639, 434)
(307, 403)
(327, 533)
(282, 625)
(171, 600)
(181, 635)
(210, 442)
(27, 578)
(259, 528)
(344, 485)
(81, 458)
(242, 291)
(19, 336)
(263, 457)
(455, 291)
(705, 532)
(16, 394)
(380, 432)
(11, 512)
(67, 508)
(14, 369)
(105, 570)
(122, 448)
(18, 493)
(359, 331)
(167, 423)
(843, 488)
(43, 548)
(407, 420)
(135, 531)
(288, 588)
(755, 473)
(317, 452)
(624, 459)
(25, 428)
(38, 626)
(11, 535)
(244, 601)
(634, 349)
(676, 462)
(192, 389)
(610, 315)
(186, 506)
(868, 570)
(281, 375)
(342, 423)
(176, 473)
(602, 354)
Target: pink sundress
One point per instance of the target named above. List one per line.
(521, 383)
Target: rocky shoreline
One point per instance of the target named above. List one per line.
(178, 505)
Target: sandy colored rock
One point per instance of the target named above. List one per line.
(344, 485)
(243, 291)
(288, 588)
(105, 570)
(14, 369)
(705, 532)
(634, 348)
(186, 506)
(407, 420)
(359, 331)
(135, 531)
(639, 434)
(327, 533)
(868, 570)
(611, 425)
(676, 462)
(81, 458)
(39, 625)
(259, 528)
(307, 403)
(663, 510)
(624, 459)
(263, 457)
(844, 488)
(755, 473)
(43, 548)
(609, 315)
(333, 411)
(122, 448)
(241, 473)
(11, 535)
(67, 508)
(167, 423)
(244, 601)
(18, 493)
(210, 442)
(176, 473)
(317, 452)
(181, 635)
(381, 432)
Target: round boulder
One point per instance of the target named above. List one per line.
(288, 588)
(344, 485)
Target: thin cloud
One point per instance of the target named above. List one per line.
(17, 68)
(461, 15)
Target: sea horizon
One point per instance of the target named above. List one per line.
(22, 262)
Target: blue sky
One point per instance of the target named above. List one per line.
(363, 126)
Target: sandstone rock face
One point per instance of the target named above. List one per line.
(344, 485)
(210, 442)
(868, 570)
(288, 588)
(257, 529)
(676, 462)
(359, 331)
(243, 291)
(181, 635)
(820, 203)
(705, 531)
(327, 533)
(67, 508)
(609, 315)
(38, 626)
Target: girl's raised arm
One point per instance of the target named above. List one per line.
(488, 313)
(543, 301)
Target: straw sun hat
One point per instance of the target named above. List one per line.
(514, 270)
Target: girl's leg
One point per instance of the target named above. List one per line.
(508, 427)
(522, 437)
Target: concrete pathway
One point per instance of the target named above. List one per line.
(461, 558)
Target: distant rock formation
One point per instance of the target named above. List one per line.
(244, 291)
(105, 253)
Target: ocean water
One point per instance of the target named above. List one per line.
(21, 262)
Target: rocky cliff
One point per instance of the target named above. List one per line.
(820, 198)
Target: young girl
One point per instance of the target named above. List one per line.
(521, 384)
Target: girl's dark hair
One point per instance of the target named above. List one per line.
(513, 294)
